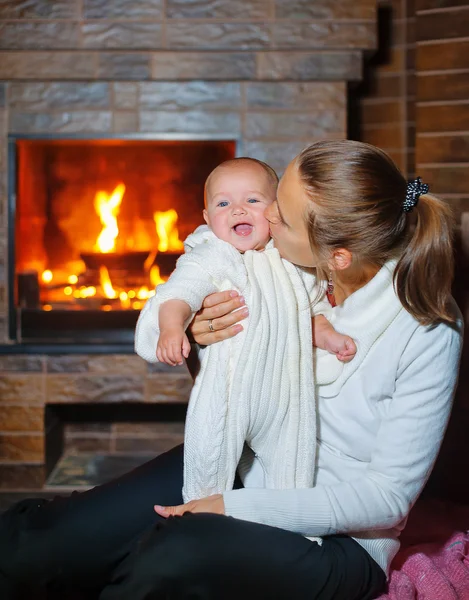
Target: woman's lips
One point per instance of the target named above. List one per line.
(243, 229)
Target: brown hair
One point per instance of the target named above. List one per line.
(271, 174)
(357, 194)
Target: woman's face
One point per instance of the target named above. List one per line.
(287, 218)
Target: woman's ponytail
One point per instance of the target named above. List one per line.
(424, 273)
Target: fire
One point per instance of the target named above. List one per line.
(47, 276)
(105, 282)
(107, 207)
(168, 236)
(155, 276)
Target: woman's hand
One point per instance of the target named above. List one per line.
(212, 504)
(217, 309)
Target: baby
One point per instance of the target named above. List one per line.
(259, 387)
(236, 195)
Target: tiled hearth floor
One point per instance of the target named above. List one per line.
(78, 472)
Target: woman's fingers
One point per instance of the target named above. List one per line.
(219, 297)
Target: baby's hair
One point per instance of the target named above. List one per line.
(357, 198)
(271, 174)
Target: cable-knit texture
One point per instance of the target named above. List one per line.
(258, 386)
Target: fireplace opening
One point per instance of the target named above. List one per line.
(97, 224)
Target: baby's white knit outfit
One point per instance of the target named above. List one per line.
(258, 387)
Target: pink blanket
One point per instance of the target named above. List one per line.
(434, 571)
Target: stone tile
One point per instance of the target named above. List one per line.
(22, 418)
(67, 363)
(218, 36)
(68, 389)
(323, 66)
(65, 122)
(28, 363)
(14, 477)
(117, 363)
(125, 121)
(47, 65)
(325, 9)
(35, 35)
(82, 429)
(167, 388)
(189, 94)
(216, 9)
(164, 368)
(295, 125)
(324, 35)
(203, 65)
(122, 36)
(88, 444)
(93, 469)
(275, 154)
(295, 96)
(24, 448)
(124, 66)
(21, 389)
(64, 95)
(156, 445)
(126, 96)
(40, 9)
(3, 89)
(123, 9)
(223, 123)
(149, 429)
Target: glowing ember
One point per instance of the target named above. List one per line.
(107, 207)
(105, 282)
(168, 236)
(155, 276)
(73, 279)
(47, 276)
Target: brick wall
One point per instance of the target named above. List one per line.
(271, 73)
(386, 98)
(442, 102)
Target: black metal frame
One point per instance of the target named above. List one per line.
(98, 342)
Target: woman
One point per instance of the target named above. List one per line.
(344, 208)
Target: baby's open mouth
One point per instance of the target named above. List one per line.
(243, 229)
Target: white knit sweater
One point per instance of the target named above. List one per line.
(257, 387)
(379, 432)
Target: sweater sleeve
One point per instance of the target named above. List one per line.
(190, 282)
(407, 444)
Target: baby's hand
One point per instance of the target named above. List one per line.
(342, 346)
(173, 346)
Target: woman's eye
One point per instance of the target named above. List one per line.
(253, 200)
(223, 203)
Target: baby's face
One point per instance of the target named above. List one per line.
(237, 196)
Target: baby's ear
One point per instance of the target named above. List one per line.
(205, 213)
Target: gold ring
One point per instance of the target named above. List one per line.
(210, 326)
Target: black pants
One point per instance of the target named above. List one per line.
(109, 543)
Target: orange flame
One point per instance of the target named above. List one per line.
(105, 282)
(168, 235)
(107, 207)
(155, 276)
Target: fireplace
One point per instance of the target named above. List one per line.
(95, 225)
